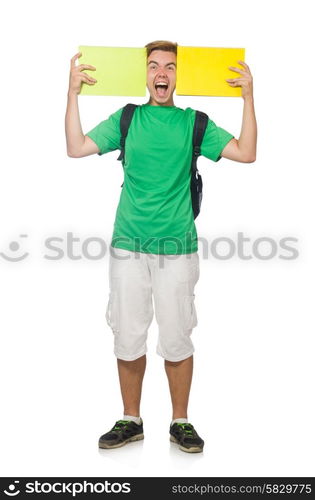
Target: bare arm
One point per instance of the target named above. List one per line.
(78, 145)
(244, 149)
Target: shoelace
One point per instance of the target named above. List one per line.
(186, 428)
(119, 424)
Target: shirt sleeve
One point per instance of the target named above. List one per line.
(106, 134)
(214, 141)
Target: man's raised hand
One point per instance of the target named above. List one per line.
(245, 80)
(77, 75)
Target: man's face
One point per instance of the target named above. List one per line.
(161, 77)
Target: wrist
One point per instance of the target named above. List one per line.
(72, 93)
(249, 98)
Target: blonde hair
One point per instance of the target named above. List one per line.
(161, 45)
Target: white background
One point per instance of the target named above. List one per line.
(252, 393)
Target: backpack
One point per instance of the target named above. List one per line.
(201, 121)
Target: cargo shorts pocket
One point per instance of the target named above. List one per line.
(112, 316)
(189, 314)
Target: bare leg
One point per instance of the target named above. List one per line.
(131, 375)
(179, 376)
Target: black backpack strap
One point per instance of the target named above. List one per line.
(125, 121)
(201, 122)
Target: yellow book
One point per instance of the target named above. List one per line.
(120, 71)
(203, 70)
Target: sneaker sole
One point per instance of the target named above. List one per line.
(106, 446)
(193, 449)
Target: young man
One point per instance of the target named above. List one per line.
(154, 251)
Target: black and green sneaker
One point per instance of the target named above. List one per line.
(123, 432)
(186, 436)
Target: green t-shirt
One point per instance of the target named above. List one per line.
(154, 214)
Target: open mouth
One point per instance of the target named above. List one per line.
(161, 89)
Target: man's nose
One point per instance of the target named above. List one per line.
(162, 73)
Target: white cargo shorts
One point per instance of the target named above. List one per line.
(137, 277)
